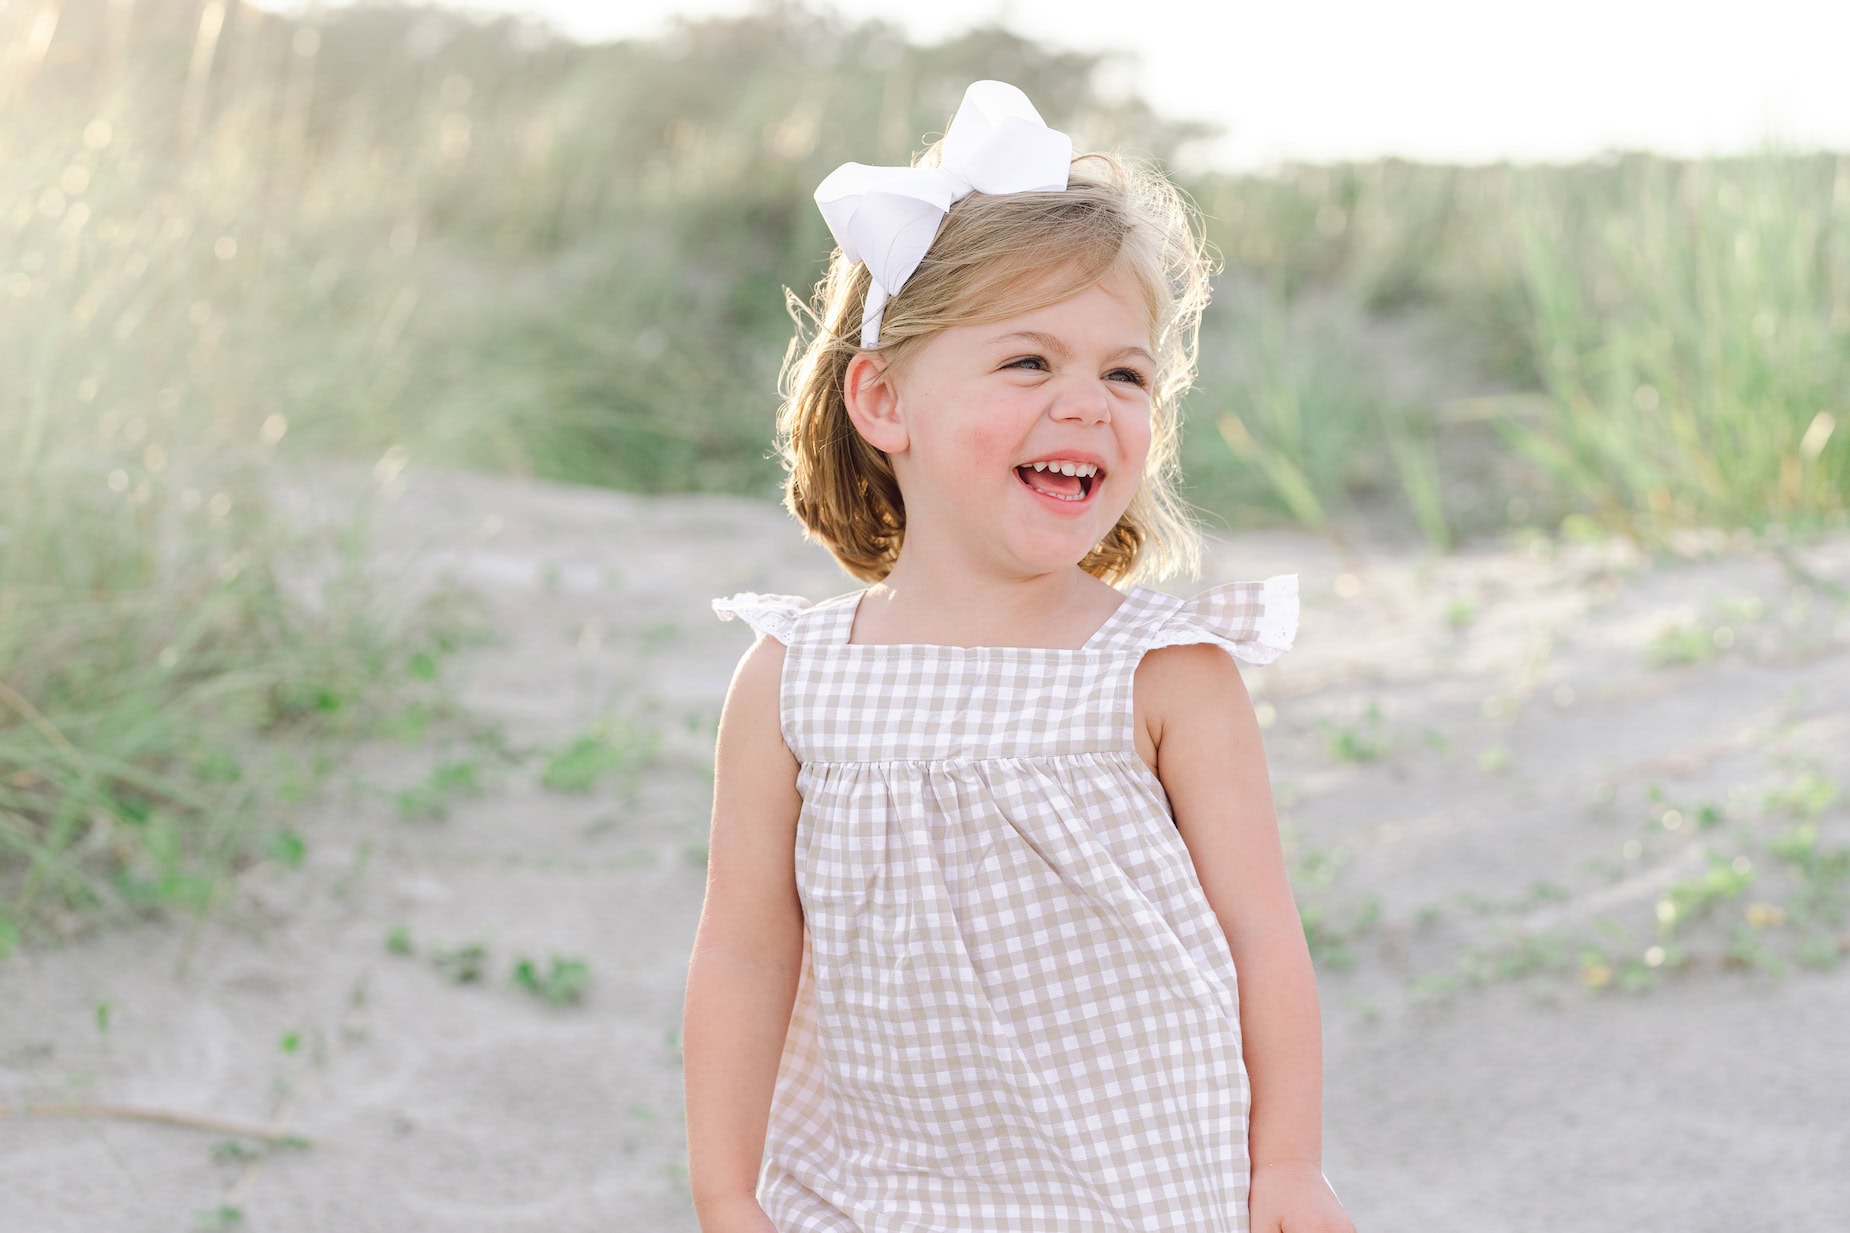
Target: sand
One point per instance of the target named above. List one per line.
(1528, 749)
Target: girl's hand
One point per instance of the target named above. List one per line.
(1293, 1197)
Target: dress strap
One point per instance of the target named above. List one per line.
(1254, 621)
(829, 622)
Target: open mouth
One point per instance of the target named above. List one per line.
(1060, 479)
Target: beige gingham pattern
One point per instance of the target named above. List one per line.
(1017, 1012)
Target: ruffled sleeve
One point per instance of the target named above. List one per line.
(1254, 621)
(772, 615)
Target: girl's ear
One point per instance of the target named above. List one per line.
(873, 403)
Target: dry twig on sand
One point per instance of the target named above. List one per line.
(164, 1117)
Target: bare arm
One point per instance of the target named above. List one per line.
(1198, 721)
(748, 950)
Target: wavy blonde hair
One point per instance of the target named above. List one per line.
(995, 257)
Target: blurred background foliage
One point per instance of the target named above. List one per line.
(232, 242)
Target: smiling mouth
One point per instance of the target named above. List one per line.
(1061, 481)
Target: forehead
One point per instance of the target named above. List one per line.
(1118, 302)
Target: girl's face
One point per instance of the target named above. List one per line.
(1021, 442)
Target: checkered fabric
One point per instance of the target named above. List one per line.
(1017, 1011)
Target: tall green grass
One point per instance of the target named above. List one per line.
(1656, 344)
(496, 248)
(1693, 336)
(160, 623)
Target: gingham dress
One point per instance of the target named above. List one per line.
(1017, 1012)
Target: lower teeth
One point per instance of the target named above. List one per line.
(1085, 489)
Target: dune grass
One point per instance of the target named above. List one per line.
(1658, 345)
(494, 248)
(161, 624)
(1696, 347)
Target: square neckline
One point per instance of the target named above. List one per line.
(1105, 629)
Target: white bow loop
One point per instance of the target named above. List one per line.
(887, 217)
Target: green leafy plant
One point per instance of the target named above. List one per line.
(562, 982)
(609, 749)
(463, 964)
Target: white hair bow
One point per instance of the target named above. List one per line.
(887, 217)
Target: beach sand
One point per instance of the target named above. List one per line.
(1466, 751)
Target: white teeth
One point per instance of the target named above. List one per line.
(1066, 468)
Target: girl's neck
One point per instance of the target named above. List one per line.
(948, 604)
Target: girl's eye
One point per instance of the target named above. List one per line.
(1129, 376)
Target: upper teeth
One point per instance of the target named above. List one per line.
(1066, 468)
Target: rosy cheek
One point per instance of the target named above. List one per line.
(991, 440)
(1134, 437)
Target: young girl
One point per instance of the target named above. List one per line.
(991, 837)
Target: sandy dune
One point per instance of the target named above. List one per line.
(1514, 773)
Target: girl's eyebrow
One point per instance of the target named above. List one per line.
(1049, 342)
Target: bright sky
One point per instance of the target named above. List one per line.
(1457, 80)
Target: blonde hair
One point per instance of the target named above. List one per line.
(996, 257)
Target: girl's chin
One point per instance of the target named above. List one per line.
(1044, 533)
(1041, 549)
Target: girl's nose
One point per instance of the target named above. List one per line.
(1080, 401)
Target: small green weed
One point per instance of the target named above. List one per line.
(1330, 938)
(1819, 952)
(431, 799)
(562, 983)
(1316, 867)
(1821, 878)
(1807, 796)
(240, 1151)
(1495, 759)
(609, 748)
(461, 965)
(1691, 898)
(422, 802)
(1363, 742)
(1543, 893)
(1433, 986)
(286, 848)
(1677, 645)
(1522, 954)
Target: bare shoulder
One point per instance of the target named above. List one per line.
(750, 723)
(760, 670)
(751, 905)
(1193, 685)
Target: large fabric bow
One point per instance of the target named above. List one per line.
(888, 216)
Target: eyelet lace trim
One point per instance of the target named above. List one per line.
(772, 615)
